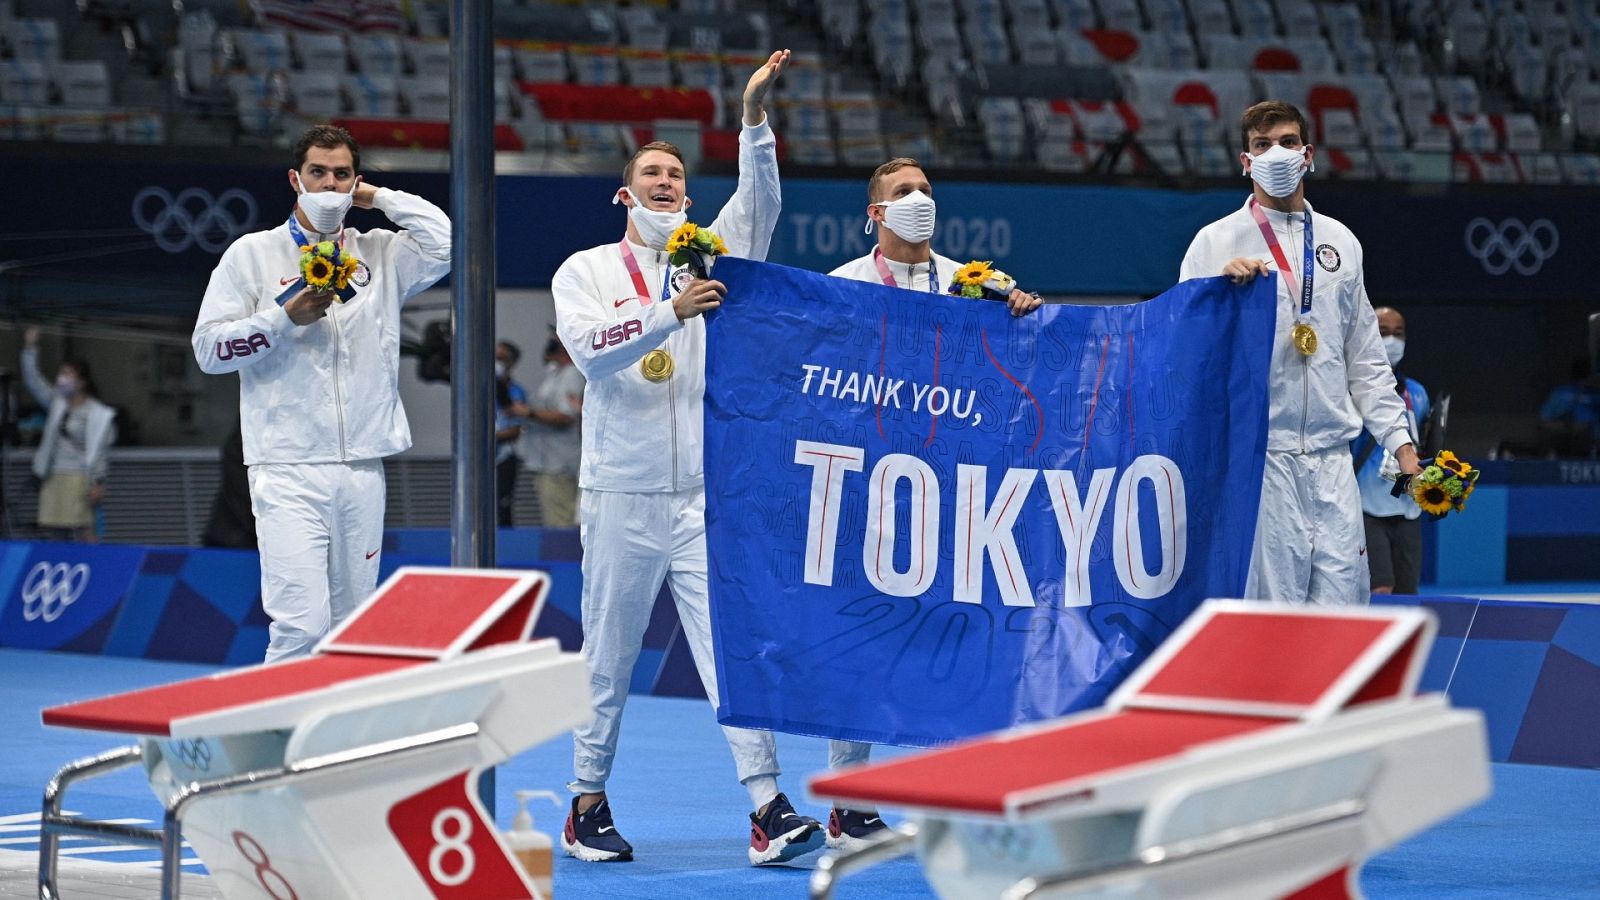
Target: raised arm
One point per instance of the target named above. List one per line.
(420, 254)
(747, 221)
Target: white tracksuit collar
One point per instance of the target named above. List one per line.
(645, 255)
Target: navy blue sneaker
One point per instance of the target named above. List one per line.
(592, 838)
(782, 834)
(850, 829)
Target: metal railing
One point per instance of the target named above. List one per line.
(53, 823)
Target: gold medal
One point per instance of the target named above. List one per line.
(1304, 338)
(657, 365)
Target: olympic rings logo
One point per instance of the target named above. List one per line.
(193, 218)
(49, 589)
(196, 754)
(1512, 244)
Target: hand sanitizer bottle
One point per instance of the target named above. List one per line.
(533, 849)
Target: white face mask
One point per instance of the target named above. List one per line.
(911, 217)
(66, 385)
(325, 209)
(499, 371)
(655, 226)
(1279, 170)
(1394, 348)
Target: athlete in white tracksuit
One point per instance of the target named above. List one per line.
(900, 205)
(1310, 544)
(642, 503)
(319, 402)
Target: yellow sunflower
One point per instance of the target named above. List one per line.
(720, 247)
(318, 271)
(1450, 463)
(974, 273)
(1433, 498)
(682, 237)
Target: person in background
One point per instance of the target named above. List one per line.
(554, 441)
(71, 462)
(509, 396)
(1569, 420)
(1393, 524)
(232, 524)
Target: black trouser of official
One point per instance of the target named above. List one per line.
(1394, 552)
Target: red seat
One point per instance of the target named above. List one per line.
(1196, 93)
(1323, 97)
(1275, 59)
(1115, 46)
(561, 102)
(418, 135)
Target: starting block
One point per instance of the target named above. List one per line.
(350, 773)
(1261, 752)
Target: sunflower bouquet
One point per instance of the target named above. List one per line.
(980, 280)
(327, 266)
(1444, 485)
(696, 248)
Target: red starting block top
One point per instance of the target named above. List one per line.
(983, 775)
(1298, 663)
(418, 615)
(154, 710)
(440, 613)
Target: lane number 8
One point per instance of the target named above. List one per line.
(446, 843)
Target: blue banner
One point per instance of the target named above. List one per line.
(929, 519)
(62, 596)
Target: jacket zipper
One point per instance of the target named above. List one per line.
(338, 394)
(672, 410)
(1305, 361)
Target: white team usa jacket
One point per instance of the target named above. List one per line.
(642, 436)
(327, 391)
(1324, 400)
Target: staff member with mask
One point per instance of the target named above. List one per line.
(318, 382)
(633, 324)
(1329, 375)
(1393, 524)
(900, 203)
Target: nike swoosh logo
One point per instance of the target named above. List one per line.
(617, 304)
(605, 829)
(872, 821)
(284, 281)
(373, 553)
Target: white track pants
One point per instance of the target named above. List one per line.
(631, 543)
(1311, 545)
(320, 529)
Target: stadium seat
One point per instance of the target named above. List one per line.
(83, 84)
(1121, 15)
(24, 82)
(540, 63)
(1076, 14)
(376, 54)
(1211, 16)
(1459, 95)
(374, 96)
(316, 93)
(428, 58)
(258, 51)
(425, 98)
(319, 51)
(645, 68)
(31, 40)
(1256, 19)
(595, 65)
